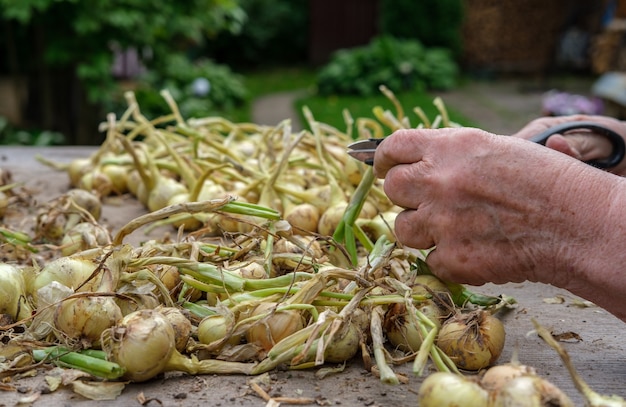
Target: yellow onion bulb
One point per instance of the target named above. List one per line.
(85, 318)
(164, 190)
(330, 219)
(381, 225)
(443, 389)
(4, 203)
(308, 245)
(83, 236)
(97, 182)
(303, 217)
(404, 332)
(217, 329)
(344, 345)
(13, 293)
(118, 174)
(424, 284)
(135, 302)
(87, 201)
(270, 329)
(136, 186)
(77, 168)
(181, 324)
(251, 270)
(473, 340)
(496, 377)
(72, 272)
(529, 391)
(142, 343)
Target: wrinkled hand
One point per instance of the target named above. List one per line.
(497, 208)
(578, 144)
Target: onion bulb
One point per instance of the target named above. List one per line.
(13, 293)
(270, 329)
(85, 318)
(331, 218)
(163, 192)
(118, 174)
(380, 225)
(181, 324)
(443, 389)
(143, 345)
(217, 330)
(402, 331)
(83, 236)
(4, 203)
(303, 217)
(72, 272)
(77, 168)
(344, 345)
(529, 391)
(497, 376)
(473, 340)
(87, 201)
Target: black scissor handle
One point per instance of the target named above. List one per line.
(617, 141)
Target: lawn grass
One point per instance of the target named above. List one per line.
(328, 109)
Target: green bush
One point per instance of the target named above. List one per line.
(398, 64)
(10, 135)
(200, 88)
(435, 23)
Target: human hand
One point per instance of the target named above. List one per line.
(578, 144)
(496, 208)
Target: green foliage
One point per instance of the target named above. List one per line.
(226, 89)
(80, 33)
(276, 33)
(435, 23)
(398, 64)
(10, 135)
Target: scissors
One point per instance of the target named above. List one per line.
(364, 150)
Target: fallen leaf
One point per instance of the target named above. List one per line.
(98, 390)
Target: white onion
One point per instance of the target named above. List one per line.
(442, 389)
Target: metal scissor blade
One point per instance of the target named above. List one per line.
(364, 150)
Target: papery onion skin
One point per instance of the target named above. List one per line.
(217, 329)
(271, 329)
(303, 217)
(13, 293)
(83, 236)
(497, 376)
(85, 318)
(181, 324)
(400, 329)
(443, 389)
(344, 345)
(87, 201)
(142, 343)
(72, 272)
(529, 391)
(473, 341)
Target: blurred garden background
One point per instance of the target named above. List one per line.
(65, 64)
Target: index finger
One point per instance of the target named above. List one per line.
(404, 146)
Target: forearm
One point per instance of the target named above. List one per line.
(597, 255)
